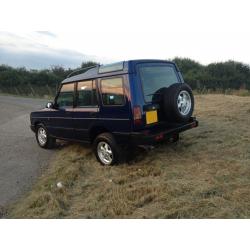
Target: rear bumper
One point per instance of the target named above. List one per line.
(147, 137)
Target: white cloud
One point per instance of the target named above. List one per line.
(35, 50)
(46, 33)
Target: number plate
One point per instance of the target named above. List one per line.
(151, 117)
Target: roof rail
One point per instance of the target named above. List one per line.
(78, 70)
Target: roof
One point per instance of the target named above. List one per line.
(99, 71)
(109, 70)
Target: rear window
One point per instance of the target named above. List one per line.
(156, 76)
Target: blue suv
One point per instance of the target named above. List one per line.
(136, 102)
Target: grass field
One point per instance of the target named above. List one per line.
(205, 175)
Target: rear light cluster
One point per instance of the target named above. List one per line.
(137, 115)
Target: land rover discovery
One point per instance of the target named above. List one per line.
(136, 102)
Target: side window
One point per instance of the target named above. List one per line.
(66, 96)
(112, 91)
(86, 94)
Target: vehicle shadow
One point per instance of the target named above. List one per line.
(131, 155)
(60, 144)
(138, 154)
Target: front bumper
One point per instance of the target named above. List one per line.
(149, 137)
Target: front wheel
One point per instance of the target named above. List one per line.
(106, 150)
(43, 138)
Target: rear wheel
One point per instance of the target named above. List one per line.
(106, 149)
(43, 138)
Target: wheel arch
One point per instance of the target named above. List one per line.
(97, 130)
(36, 123)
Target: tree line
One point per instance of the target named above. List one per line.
(214, 76)
(44, 82)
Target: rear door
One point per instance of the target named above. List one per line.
(86, 111)
(154, 77)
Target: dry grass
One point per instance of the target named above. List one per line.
(205, 175)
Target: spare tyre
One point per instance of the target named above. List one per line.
(178, 102)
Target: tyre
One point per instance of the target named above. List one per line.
(106, 150)
(43, 138)
(178, 102)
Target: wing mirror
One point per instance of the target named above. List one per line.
(50, 105)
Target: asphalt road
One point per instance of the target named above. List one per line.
(21, 159)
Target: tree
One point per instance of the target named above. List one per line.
(88, 64)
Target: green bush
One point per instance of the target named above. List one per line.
(215, 76)
(39, 83)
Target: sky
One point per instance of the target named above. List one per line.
(38, 50)
(108, 31)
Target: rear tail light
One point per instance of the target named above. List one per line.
(137, 115)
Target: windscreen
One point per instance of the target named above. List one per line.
(156, 76)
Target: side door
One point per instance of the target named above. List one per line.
(61, 121)
(86, 111)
